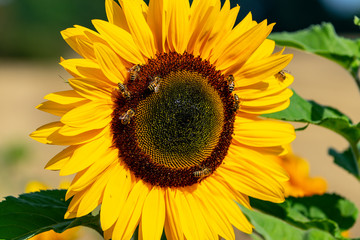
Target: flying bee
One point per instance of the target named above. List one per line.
(237, 102)
(124, 91)
(281, 75)
(134, 72)
(155, 84)
(204, 172)
(230, 79)
(125, 117)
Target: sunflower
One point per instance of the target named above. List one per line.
(162, 123)
(300, 184)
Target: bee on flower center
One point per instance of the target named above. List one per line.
(230, 79)
(124, 91)
(125, 117)
(237, 102)
(204, 172)
(134, 72)
(155, 84)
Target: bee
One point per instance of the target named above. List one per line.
(237, 102)
(155, 84)
(124, 91)
(125, 117)
(134, 72)
(204, 172)
(230, 79)
(281, 75)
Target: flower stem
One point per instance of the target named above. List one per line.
(355, 74)
(356, 153)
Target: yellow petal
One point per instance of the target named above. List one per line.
(58, 139)
(93, 36)
(116, 15)
(201, 13)
(96, 168)
(200, 218)
(92, 115)
(233, 55)
(173, 228)
(229, 207)
(93, 195)
(60, 159)
(54, 108)
(139, 28)
(42, 133)
(64, 97)
(84, 68)
(254, 72)
(198, 40)
(120, 40)
(91, 88)
(68, 131)
(228, 191)
(222, 27)
(58, 109)
(300, 184)
(78, 41)
(130, 213)
(266, 87)
(263, 51)
(264, 133)
(186, 217)
(178, 36)
(74, 205)
(108, 233)
(110, 63)
(153, 215)
(265, 109)
(269, 100)
(115, 195)
(156, 20)
(243, 156)
(218, 223)
(245, 169)
(258, 186)
(246, 24)
(86, 154)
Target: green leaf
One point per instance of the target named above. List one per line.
(323, 40)
(315, 217)
(273, 228)
(311, 112)
(357, 21)
(304, 111)
(346, 160)
(34, 213)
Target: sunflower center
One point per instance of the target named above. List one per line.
(173, 120)
(179, 125)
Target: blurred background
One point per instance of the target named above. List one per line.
(31, 44)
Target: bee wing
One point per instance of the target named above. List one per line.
(157, 88)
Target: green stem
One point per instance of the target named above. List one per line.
(357, 80)
(355, 75)
(356, 152)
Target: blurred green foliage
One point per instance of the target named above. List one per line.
(13, 153)
(30, 28)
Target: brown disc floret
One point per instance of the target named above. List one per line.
(175, 128)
